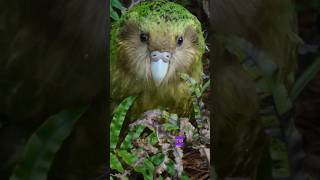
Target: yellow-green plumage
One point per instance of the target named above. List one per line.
(130, 74)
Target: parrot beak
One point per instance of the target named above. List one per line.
(159, 65)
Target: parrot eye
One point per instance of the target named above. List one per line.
(144, 37)
(179, 41)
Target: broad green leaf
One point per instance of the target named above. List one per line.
(115, 163)
(304, 79)
(117, 120)
(42, 146)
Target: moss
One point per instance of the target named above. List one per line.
(155, 14)
(169, 12)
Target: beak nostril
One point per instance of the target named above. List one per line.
(157, 54)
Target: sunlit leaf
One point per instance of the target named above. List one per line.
(117, 120)
(115, 163)
(131, 136)
(127, 157)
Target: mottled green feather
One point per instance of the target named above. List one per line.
(162, 17)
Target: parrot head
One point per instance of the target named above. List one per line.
(157, 39)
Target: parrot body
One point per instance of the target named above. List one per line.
(151, 44)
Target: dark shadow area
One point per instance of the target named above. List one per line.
(53, 57)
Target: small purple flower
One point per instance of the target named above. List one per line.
(179, 141)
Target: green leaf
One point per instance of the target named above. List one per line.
(152, 139)
(127, 157)
(170, 127)
(184, 176)
(114, 15)
(165, 115)
(157, 159)
(279, 156)
(146, 169)
(117, 120)
(281, 98)
(116, 4)
(148, 173)
(304, 79)
(170, 168)
(205, 87)
(44, 143)
(131, 136)
(115, 163)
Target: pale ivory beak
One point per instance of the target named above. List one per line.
(159, 65)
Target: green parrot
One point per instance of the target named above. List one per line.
(151, 44)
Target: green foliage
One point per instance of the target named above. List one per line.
(152, 139)
(146, 169)
(170, 127)
(126, 156)
(128, 153)
(170, 168)
(157, 159)
(266, 70)
(194, 87)
(115, 5)
(117, 120)
(281, 98)
(132, 135)
(278, 153)
(304, 79)
(115, 163)
(43, 145)
(195, 90)
(205, 86)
